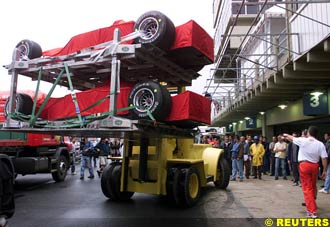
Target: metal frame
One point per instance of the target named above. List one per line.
(108, 123)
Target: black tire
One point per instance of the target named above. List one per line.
(7, 201)
(62, 166)
(24, 104)
(152, 96)
(190, 186)
(171, 172)
(116, 178)
(223, 174)
(107, 183)
(28, 48)
(158, 30)
(177, 178)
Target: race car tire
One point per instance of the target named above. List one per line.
(152, 97)
(24, 104)
(157, 29)
(28, 48)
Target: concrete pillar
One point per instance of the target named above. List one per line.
(267, 131)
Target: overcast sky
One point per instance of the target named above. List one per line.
(53, 23)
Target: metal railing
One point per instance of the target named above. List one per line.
(263, 55)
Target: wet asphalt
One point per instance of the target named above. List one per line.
(42, 202)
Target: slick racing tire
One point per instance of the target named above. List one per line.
(152, 97)
(24, 104)
(28, 49)
(156, 29)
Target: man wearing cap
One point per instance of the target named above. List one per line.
(257, 151)
(310, 151)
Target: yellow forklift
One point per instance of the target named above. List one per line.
(171, 166)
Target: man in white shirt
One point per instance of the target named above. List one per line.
(310, 151)
(280, 156)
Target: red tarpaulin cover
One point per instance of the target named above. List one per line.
(186, 106)
(91, 38)
(189, 34)
(190, 106)
(58, 108)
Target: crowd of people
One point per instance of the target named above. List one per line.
(94, 154)
(301, 156)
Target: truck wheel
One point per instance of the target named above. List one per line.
(223, 174)
(157, 29)
(116, 177)
(28, 48)
(7, 201)
(24, 104)
(62, 166)
(106, 181)
(190, 186)
(150, 96)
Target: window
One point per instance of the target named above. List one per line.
(252, 9)
(235, 8)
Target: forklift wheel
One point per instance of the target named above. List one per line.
(177, 175)
(106, 181)
(190, 186)
(116, 178)
(171, 172)
(223, 174)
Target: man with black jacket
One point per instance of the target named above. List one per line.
(293, 150)
(226, 145)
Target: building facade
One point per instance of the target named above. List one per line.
(272, 66)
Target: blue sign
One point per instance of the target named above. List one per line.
(251, 123)
(315, 104)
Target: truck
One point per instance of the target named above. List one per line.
(33, 153)
(124, 80)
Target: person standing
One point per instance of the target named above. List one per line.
(103, 149)
(226, 145)
(73, 160)
(326, 188)
(237, 152)
(327, 147)
(257, 151)
(266, 166)
(86, 160)
(115, 147)
(310, 151)
(272, 156)
(293, 150)
(247, 156)
(280, 156)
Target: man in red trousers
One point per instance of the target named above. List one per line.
(310, 151)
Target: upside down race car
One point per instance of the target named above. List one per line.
(164, 55)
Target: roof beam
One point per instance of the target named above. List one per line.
(311, 67)
(316, 57)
